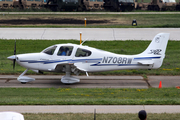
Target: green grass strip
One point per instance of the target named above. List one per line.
(70, 116)
(87, 96)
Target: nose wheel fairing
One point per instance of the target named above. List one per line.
(69, 79)
(24, 79)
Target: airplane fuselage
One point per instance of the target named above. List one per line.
(98, 60)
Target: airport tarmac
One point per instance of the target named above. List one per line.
(48, 81)
(87, 33)
(90, 108)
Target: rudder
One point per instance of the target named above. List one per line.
(158, 45)
(157, 49)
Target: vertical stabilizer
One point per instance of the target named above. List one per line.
(157, 49)
(158, 45)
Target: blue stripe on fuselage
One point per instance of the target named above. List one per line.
(140, 58)
(59, 61)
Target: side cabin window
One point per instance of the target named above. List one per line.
(82, 53)
(65, 51)
(50, 51)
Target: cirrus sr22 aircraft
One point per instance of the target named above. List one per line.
(72, 58)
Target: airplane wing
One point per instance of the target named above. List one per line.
(81, 69)
(61, 67)
(74, 68)
(149, 62)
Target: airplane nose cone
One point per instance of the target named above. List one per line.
(13, 57)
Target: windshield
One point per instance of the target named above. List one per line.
(50, 50)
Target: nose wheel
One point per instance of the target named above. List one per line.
(24, 79)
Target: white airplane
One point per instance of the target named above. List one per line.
(72, 58)
(11, 116)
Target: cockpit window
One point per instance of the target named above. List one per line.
(82, 53)
(50, 51)
(65, 51)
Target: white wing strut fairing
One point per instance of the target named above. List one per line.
(72, 58)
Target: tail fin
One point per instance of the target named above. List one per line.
(158, 45)
(157, 49)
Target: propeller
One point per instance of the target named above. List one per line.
(14, 61)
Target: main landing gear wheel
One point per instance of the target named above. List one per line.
(23, 82)
(68, 79)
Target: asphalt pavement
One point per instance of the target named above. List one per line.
(87, 33)
(48, 81)
(90, 108)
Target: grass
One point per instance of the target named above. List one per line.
(70, 116)
(171, 65)
(89, 96)
(106, 20)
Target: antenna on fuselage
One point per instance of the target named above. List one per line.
(84, 41)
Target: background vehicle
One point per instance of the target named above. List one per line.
(119, 5)
(33, 4)
(178, 6)
(90, 5)
(142, 5)
(62, 5)
(27, 4)
(158, 5)
(6, 4)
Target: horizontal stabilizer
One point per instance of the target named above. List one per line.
(149, 62)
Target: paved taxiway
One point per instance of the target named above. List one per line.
(91, 108)
(87, 33)
(47, 81)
